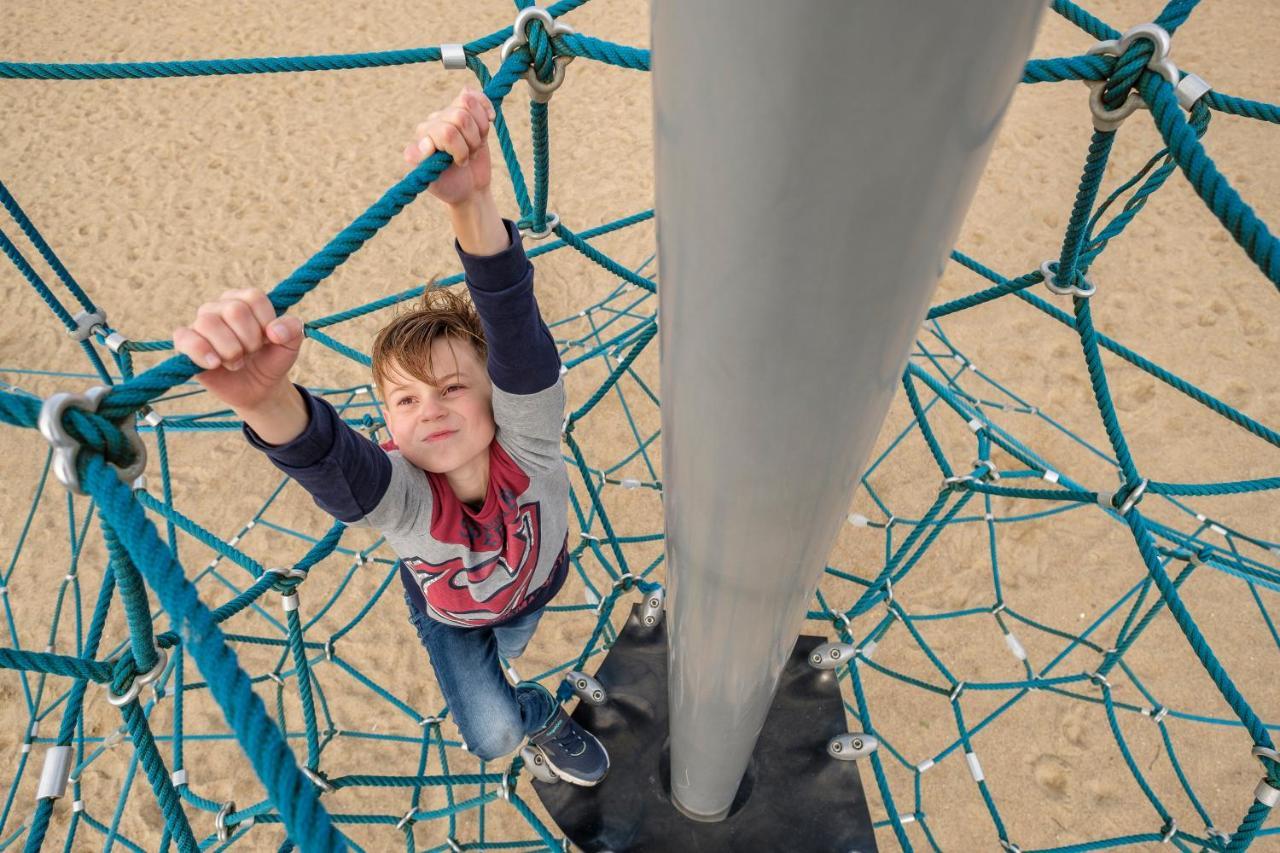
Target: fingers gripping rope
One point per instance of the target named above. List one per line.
(132, 395)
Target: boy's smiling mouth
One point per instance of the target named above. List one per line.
(441, 435)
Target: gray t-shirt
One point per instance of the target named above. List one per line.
(463, 566)
(473, 567)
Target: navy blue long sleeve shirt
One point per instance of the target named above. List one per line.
(462, 565)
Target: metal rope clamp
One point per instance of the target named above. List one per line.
(284, 574)
(652, 610)
(1105, 119)
(536, 764)
(587, 688)
(220, 822)
(88, 324)
(318, 779)
(140, 681)
(553, 221)
(520, 38)
(852, 746)
(453, 56)
(55, 773)
(66, 448)
(1049, 269)
(1134, 495)
(831, 655)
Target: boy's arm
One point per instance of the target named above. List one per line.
(247, 353)
(522, 354)
(278, 418)
(346, 473)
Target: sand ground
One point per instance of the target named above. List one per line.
(159, 194)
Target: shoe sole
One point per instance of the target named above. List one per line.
(569, 777)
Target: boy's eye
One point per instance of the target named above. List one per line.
(452, 388)
(404, 401)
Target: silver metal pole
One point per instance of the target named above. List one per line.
(814, 162)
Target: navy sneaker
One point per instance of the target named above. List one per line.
(570, 750)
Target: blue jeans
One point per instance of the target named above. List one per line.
(492, 715)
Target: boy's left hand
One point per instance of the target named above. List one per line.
(462, 130)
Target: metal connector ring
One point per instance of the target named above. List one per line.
(220, 822)
(541, 92)
(66, 448)
(1049, 269)
(140, 681)
(1261, 752)
(1135, 495)
(528, 232)
(1108, 119)
(88, 323)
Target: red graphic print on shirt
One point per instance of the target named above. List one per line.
(503, 539)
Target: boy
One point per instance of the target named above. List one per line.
(471, 492)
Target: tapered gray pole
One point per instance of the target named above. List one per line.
(814, 162)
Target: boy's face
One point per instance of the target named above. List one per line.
(445, 426)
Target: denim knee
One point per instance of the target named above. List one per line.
(493, 741)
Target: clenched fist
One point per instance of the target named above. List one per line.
(246, 350)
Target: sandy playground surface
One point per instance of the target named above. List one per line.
(159, 194)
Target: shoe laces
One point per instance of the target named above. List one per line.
(566, 737)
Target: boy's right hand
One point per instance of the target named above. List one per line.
(461, 130)
(246, 350)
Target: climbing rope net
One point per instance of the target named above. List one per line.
(218, 613)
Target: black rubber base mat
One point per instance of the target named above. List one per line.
(794, 797)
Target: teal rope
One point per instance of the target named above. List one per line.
(306, 818)
(303, 671)
(1250, 232)
(1096, 162)
(170, 806)
(541, 162)
(1083, 242)
(42, 246)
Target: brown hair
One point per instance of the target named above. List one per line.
(407, 340)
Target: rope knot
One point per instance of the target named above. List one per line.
(1126, 71)
(535, 31)
(126, 680)
(286, 580)
(541, 49)
(1144, 47)
(286, 586)
(70, 423)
